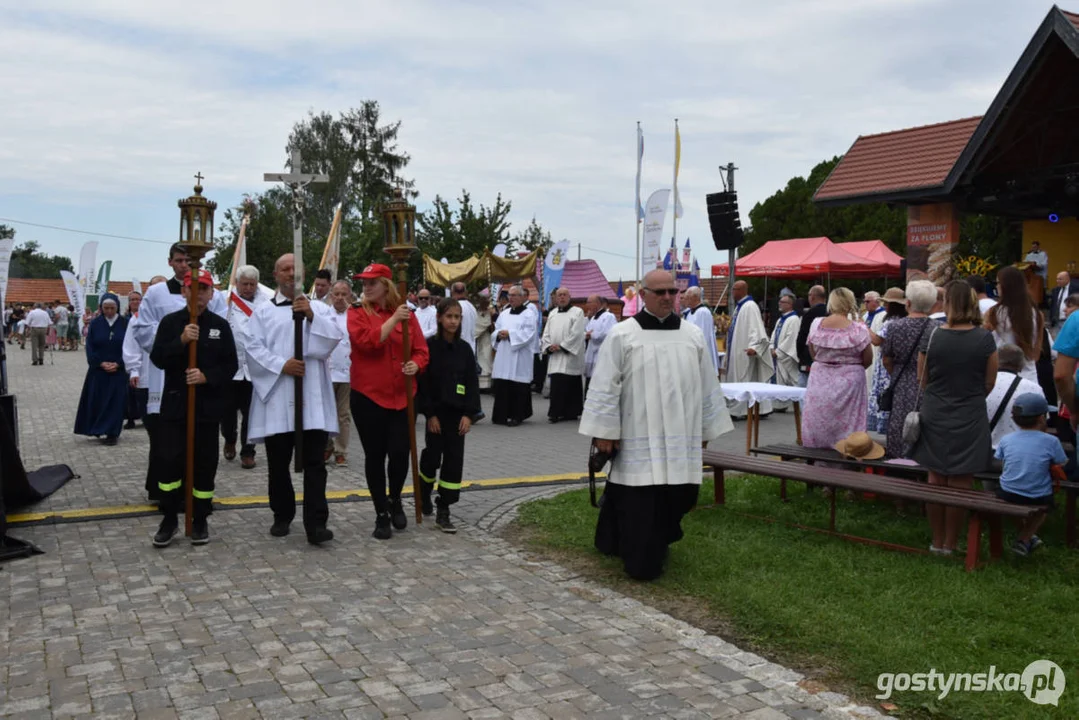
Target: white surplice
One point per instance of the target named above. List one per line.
(428, 318)
(135, 358)
(657, 393)
(269, 342)
(238, 317)
(158, 302)
(468, 323)
(340, 362)
(565, 329)
(599, 325)
(748, 331)
(513, 356)
(702, 318)
(785, 343)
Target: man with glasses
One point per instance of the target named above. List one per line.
(426, 313)
(785, 347)
(654, 402)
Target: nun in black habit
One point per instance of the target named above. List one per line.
(104, 392)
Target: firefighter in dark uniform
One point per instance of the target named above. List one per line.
(449, 396)
(216, 365)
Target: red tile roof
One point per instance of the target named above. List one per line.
(910, 159)
(22, 290)
(1072, 18)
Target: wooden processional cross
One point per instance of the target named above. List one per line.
(297, 181)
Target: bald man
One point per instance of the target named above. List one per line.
(701, 316)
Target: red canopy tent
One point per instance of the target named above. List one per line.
(876, 251)
(803, 258)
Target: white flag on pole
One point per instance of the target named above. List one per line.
(87, 266)
(655, 214)
(6, 246)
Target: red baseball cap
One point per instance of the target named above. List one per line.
(204, 277)
(373, 271)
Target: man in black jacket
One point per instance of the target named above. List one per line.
(216, 364)
(1066, 285)
(818, 308)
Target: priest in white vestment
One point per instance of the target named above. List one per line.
(514, 345)
(160, 300)
(427, 313)
(785, 347)
(563, 343)
(701, 316)
(600, 322)
(271, 362)
(749, 356)
(459, 292)
(243, 300)
(654, 398)
(484, 350)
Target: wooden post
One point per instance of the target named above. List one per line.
(410, 404)
(192, 362)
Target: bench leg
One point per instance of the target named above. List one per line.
(749, 427)
(757, 427)
(719, 490)
(1069, 516)
(831, 518)
(974, 541)
(996, 537)
(783, 489)
(798, 420)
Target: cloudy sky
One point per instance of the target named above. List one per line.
(109, 107)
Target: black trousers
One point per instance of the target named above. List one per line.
(172, 445)
(316, 512)
(156, 470)
(513, 401)
(445, 450)
(638, 523)
(384, 436)
(237, 399)
(567, 397)
(135, 407)
(539, 371)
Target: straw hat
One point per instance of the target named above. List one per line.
(860, 446)
(894, 294)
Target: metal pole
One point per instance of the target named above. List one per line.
(732, 255)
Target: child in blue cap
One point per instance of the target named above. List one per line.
(1029, 454)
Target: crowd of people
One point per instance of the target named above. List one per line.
(46, 325)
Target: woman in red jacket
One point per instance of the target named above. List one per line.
(378, 390)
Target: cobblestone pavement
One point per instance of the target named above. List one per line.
(421, 626)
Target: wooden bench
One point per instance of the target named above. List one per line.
(982, 506)
(913, 472)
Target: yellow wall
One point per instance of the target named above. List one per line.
(1060, 240)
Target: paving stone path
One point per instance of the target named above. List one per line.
(422, 626)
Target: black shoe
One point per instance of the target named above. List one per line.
(319, 536)
(428, 507)
(553, 420)
(200, 533)
(442, 520)
(279, 528)
(383, 531)
(400, 520)
(513, 423)
(129, 425)
(165, 532)
(109, 440)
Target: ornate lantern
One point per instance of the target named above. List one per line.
(197, 225)
(399, 228)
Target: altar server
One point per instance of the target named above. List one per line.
(514, 343)
(563, 343)
(600, 322)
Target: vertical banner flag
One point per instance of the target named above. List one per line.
(655, 214)
(331, 254)
(677, 162)
(640, 157)
(6, 246)
(103, 274)
(74, 294)
(552, 270)
(136, 285)
(87, 263)
(239, 256)
(498, 250)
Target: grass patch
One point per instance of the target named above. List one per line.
(842, 612)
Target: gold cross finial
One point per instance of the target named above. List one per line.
(198, 177)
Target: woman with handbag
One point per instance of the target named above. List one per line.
(895, 308)
(957, 367)
(899, 357)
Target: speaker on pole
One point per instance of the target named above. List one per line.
(723, 220)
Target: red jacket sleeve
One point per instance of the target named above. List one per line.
(364, 329)
(420, 354)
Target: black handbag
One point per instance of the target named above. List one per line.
(887, 396)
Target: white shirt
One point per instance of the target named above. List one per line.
(1006, 425)
(1041, 259)
(468, 323)
(428, 317)
(984, 304)
(600, 324)
(238, 315)
(37, 318)
(61, 315)
(340, 361)
(513, 356)
(565, 329)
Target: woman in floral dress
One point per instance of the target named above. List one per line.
(896, 308)
(835, 402)
(900, 343)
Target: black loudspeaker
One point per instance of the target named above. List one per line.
(903, 271)
(724, 221)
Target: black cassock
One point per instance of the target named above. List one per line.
(101, 407)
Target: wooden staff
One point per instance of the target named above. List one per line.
(192, 362)
(410, 405)
(297, 352)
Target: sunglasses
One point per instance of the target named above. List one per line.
(662, 291)
(424, 299)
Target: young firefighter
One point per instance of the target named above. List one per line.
(449, 395)
(216, 362)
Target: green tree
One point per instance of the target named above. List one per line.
(533, 237)
(6, 232)
(442, 232)
(27, 262)
(268, 236)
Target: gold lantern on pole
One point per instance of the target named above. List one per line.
(399, 229)
(197, 238)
